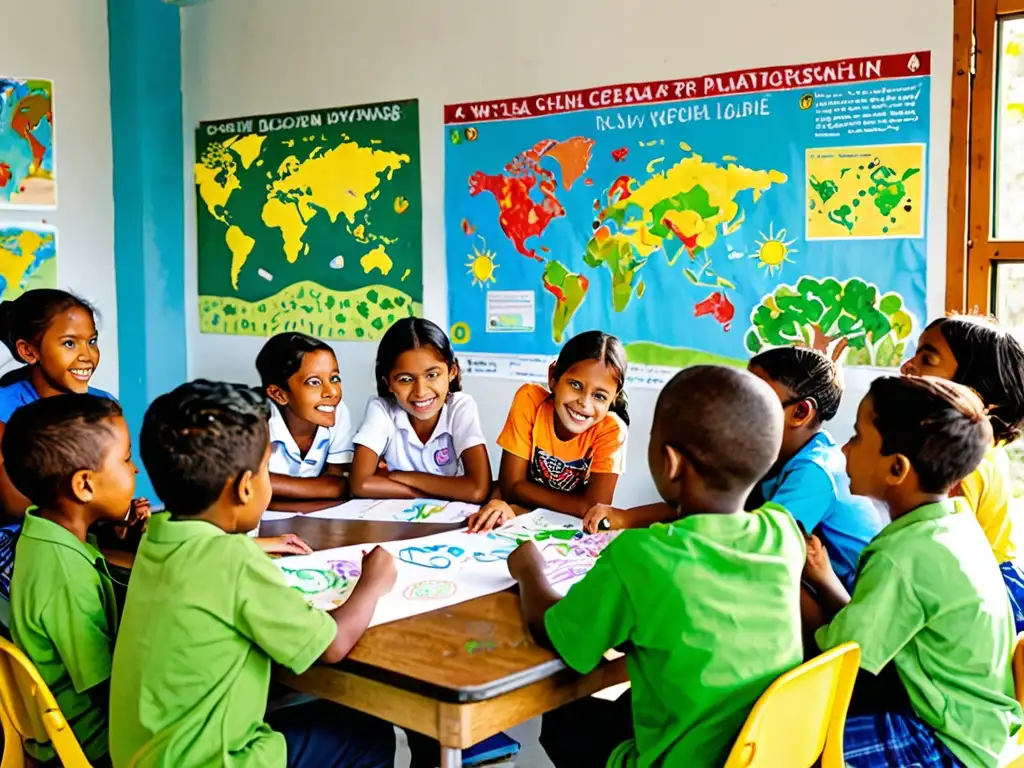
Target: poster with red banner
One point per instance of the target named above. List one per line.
(700, 220)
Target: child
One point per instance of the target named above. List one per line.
(565, 446)
(707, 603)
(809, 479)
(977, 353)
(928, 596)
(423, 428)
(54, 334)
(73, 456)
(207, 611)
(310, 429)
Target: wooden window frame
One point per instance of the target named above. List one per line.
(971, 251)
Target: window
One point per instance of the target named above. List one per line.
(986, 249)
(985, 267)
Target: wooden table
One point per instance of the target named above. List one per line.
(458, 674)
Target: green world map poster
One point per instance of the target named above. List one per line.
(310, 222)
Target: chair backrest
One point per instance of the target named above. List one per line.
(31, 710)
(800, 717)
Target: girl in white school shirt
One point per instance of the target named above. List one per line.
(310, 428)
(421, 437)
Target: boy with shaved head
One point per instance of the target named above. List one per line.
(708, 604)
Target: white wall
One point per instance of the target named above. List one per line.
(243, 57)
(67, 42)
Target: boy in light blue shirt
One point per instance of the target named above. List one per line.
(809, 479)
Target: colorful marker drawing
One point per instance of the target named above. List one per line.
(443, 569)
(326, 587)
(442, 557)
(569, 570)
(430, 589)
(421, 511)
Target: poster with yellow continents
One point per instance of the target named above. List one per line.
(28, 259)
(702, 219)
(310, 222)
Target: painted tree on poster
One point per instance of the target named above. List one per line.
(819, 311)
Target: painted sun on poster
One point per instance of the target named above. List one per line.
(310, 222)
(27, 175)
(700, 220)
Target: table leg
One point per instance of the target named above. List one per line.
(451, 758)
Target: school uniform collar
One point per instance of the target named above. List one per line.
(404, 422)
(41, 529)
(923, 514)
(162, 530)
(281, 435)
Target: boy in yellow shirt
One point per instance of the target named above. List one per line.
(208, 611)
(708, 603)
(72, 456)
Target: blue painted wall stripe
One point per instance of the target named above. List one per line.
(149, 224)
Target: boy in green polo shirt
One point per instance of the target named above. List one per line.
(708, 603)
(929, 596)
(72, 456)
(207, 610)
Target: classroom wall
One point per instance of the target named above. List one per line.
(243, 57)
(67, 43)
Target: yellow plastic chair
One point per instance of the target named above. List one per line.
(801, 716)
(29, 711)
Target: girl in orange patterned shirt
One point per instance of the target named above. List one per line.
(565, 445)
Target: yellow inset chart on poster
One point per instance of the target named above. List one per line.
(865, 192)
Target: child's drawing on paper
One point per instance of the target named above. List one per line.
(448, 568)
(430, 589)
(421, 511)
(391, 510)
(326, 588)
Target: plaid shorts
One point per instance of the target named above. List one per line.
(894, 740)
(1014, 580)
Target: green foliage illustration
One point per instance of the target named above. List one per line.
(816, 312)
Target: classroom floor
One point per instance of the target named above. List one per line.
(527, 734)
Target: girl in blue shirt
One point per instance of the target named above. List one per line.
(54, 334)
(809, 479)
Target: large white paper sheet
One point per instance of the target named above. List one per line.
(449, 568)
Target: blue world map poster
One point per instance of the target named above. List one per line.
(700, 220)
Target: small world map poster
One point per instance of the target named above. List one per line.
(28, 259)
(700, 220)
(310, 222)
(27, 175)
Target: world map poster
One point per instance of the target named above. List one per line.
(700, 220)
(28, 259)
(310, 222)
(27, 175)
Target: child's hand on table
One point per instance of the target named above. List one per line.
(288, 544)
(526, 558)
(592, 520)
(379, 570)
(494, 513)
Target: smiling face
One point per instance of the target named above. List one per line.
(932, 358)
(314, 391)
(582, 397)
(64, 359)
(419, 381)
